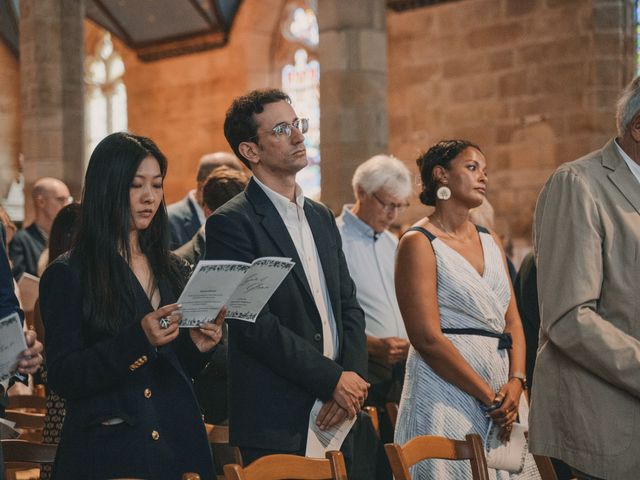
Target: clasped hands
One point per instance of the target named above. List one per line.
(390, 349)
(503, 410)
(161, 327)
(348, 398)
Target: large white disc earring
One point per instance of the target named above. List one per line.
(443, 193)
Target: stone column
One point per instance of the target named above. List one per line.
(9, 117)
(353, 91)
(52, 91)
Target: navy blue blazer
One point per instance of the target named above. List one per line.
(276, 366)
(183, 221)
(25, 250)
(120, 376)
(8, 301)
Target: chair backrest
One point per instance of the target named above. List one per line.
(428, 446)
(223, 453)
(32, 402)
(217, 434)
(545, 468)
(375, 420)
(25, 420)
(19, 454)
(392, 412)
(190, 476)
(281, 467)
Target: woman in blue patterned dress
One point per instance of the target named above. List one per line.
(467, 347)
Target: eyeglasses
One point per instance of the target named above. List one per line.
(283, 130)
(391, 207)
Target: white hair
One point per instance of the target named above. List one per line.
(382, 171)
(628, 105)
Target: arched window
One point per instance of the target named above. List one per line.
(301, 80)
(106, 95)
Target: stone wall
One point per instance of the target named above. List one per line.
(532, 82)
(9, 117)
(181, 102)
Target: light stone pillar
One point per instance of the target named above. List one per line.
(52, 92)
(353, 91)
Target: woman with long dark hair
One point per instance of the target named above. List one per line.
(114, 349)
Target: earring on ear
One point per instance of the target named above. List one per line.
(443, 193)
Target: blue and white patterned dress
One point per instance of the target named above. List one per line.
(432, 406)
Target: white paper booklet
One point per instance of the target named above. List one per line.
(12, 344)
(244, 288)
(321, 441)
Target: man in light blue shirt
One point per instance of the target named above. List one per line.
(381, 186)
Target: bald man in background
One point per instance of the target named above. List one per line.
(49, 195)
(187, 216)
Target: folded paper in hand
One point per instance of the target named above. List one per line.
(243, 287)
(12, 344)
(511, 455)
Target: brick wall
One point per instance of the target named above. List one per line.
(181, 102)
(532, 82)
(9, 117)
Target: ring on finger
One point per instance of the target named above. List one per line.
(164, 323)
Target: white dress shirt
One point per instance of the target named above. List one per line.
(294, 218)
(371, 260)
(633, 166)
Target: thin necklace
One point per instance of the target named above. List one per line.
(445, 230)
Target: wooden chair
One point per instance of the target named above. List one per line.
(223, 453)
(29, 424)
(190, 476)
(22, 455)
(27, 402)
(375, 420)
(427, 446)
(281, 467)
(392, 412)
(545, 468)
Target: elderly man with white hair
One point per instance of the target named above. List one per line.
(381, 186)
(585, 408)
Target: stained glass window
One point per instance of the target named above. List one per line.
(301, 81)
(302, 27)
(106, 94)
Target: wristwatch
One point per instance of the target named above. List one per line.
(520, 376)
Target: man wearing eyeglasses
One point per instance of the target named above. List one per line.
(308, 343)
(49, 195)
(381, 187)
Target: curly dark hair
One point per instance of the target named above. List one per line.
(239, 125)
(440, 154)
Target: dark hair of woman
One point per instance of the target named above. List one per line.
(439, 154)
(102, 243)
(63, 231)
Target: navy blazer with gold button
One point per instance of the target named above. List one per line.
(276, 365)
(131, 409)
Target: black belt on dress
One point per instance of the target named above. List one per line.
(504, 339)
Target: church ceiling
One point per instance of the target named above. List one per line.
(157, 29)
(154, 29)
